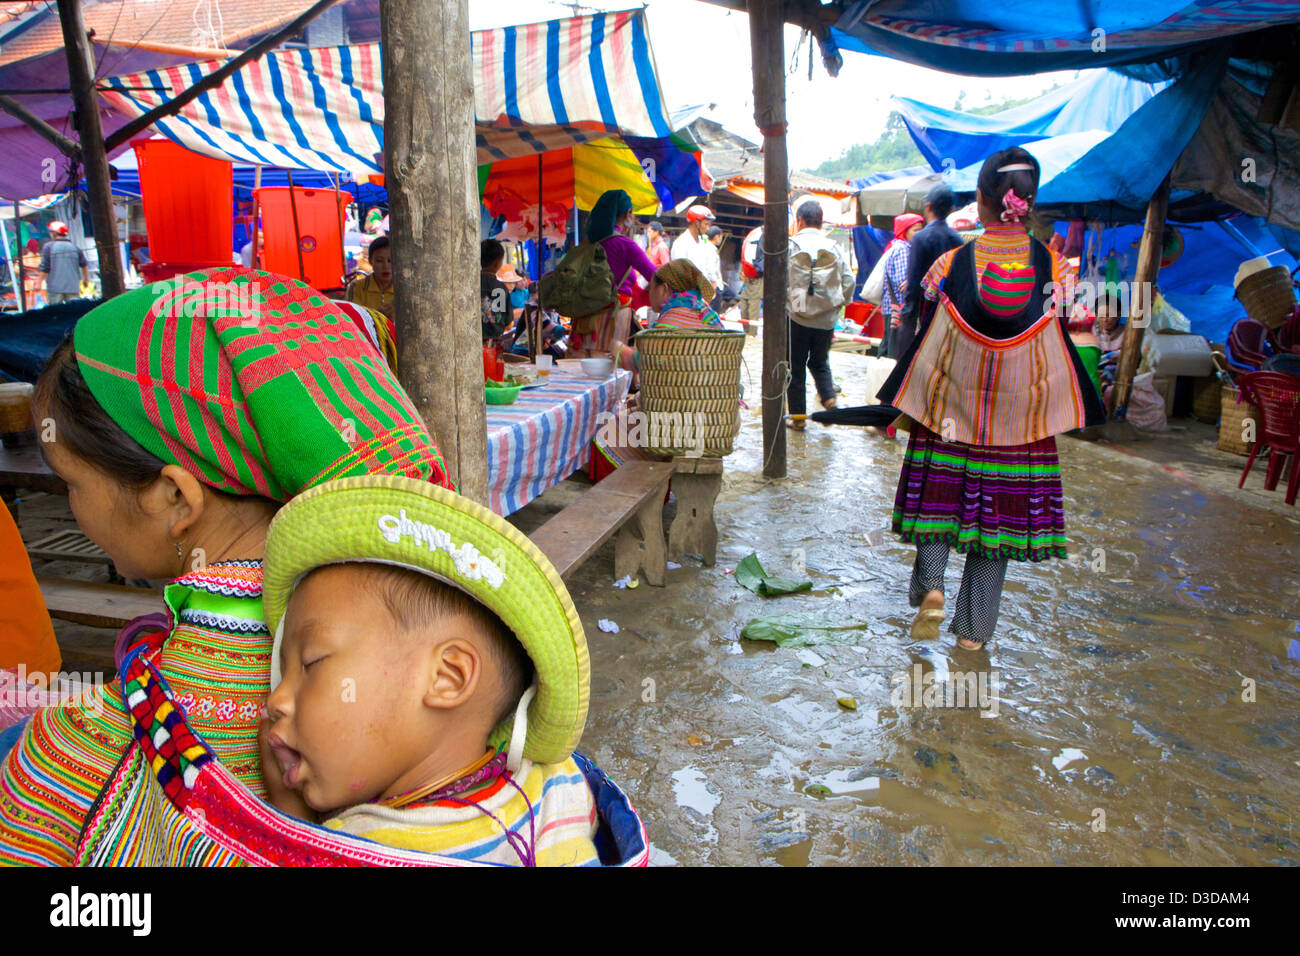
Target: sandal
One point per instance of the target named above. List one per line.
(925, 626)
(798, 424)
(829, 403)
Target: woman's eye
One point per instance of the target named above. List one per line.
(307, 663)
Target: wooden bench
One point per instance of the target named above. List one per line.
(630, 503)
(95, 604)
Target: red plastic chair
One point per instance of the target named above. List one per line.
(1248, 343)
(1277, 397)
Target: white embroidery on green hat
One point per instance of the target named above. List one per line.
(467, 559)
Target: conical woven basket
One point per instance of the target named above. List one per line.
(690, 390)
(1268, 296)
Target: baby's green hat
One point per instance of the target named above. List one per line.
(407, 523)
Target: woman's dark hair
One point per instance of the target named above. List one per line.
(994, 185)
(383, 242)
(84, 428)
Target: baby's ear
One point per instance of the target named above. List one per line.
(455, 668)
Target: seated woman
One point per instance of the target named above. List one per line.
(180, 483)
(680, 294)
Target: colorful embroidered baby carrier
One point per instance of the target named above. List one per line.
(170, 802)
(987, 372)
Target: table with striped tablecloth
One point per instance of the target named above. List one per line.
(545, 436)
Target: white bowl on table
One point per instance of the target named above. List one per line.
(597, 367)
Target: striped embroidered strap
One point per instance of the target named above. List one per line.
(205, 817)
(969, 388)
(252, 381)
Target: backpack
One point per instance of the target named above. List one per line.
(581, 285)
(751, 254)
(815, 282)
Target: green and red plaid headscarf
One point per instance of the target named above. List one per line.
(252, 381)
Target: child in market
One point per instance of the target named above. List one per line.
(426, 696)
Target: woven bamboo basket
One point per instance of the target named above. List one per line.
(1268, 296)
(694, 375)
(1207, 399)
(1233, 421)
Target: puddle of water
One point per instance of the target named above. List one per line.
(692, 791)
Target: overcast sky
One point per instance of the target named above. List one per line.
(702, 52)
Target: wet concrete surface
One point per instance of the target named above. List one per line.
(1146, 709)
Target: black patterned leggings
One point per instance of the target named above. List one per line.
(980, 593)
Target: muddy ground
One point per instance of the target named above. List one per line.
(1138, 704)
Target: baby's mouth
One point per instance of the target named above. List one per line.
(290, 761)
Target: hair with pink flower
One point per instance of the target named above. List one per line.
(1014, 208)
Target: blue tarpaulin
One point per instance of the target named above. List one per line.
(1098, 101)
(995, 38)
(1104, 139)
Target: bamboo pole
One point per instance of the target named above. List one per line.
(81, 77)
(432, 180)
(21, 294)
(1141, 298)
(767, 45)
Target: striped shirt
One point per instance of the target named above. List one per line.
(561, 832)
(898, 262)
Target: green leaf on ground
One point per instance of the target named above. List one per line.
(750, 574)
(793, 630)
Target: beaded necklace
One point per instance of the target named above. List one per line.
(487, 767)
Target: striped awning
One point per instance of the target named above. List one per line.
(537, 87)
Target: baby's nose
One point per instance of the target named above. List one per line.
(280, 702)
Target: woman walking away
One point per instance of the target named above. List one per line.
(989, 380)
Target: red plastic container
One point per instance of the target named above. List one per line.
(319, 235)
(187, 204)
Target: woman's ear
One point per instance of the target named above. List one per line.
(179, 496)
(455, 667)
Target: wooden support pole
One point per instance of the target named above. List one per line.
(81, 77)
(216, 77)
(767, 45)
(1141, 299)
(432, 179)
(65, 145)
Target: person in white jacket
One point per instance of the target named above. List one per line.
(817, 299)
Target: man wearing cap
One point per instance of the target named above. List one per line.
(694, 243)
(63, 265)
(936, 238)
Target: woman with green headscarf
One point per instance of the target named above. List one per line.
(184, 414)
(610, 224)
